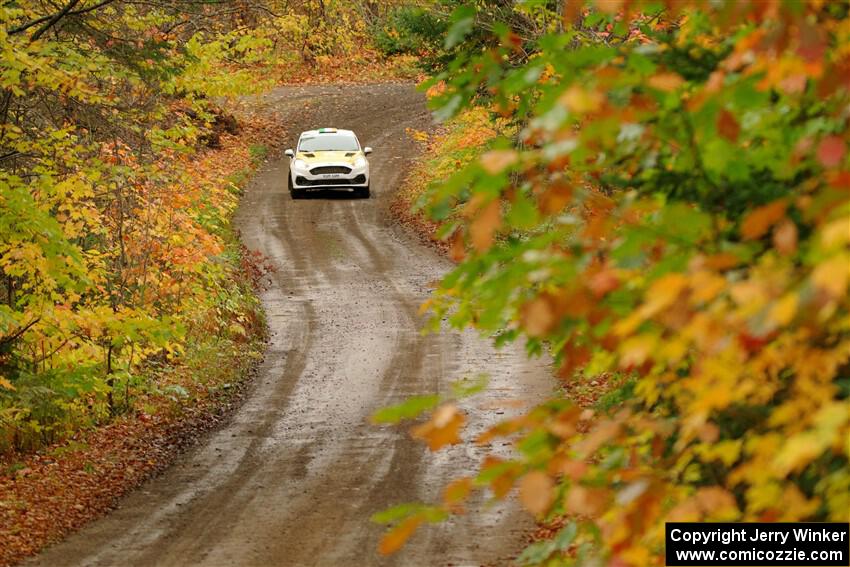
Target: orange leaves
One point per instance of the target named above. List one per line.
(442, 429)
(581, 100)
(556, 196)
(833, 275)
(537, 492)
(721, 312)
(661, 294)
(785, 237)
(540, 315)
(783, 311)
(707, 503)
(393, 540)
(496, 161)
(759, 221)
(457, 250)
(602, 433)
(603, 282)
(483, 229)
(457, 492)
(666, 82)
(586, 501)
(501, 474)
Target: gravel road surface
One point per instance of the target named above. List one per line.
(294, 477)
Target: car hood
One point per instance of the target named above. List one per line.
(325, 158)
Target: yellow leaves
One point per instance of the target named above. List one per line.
(833, 275)
(536, 492)
(707, 503)
(634, 351)
(661, 294)
(797, 452)
(6, 384)
(783, 311)
(835, 233)
(759, 221)
(417, 135)
(749, 293)
(727, 451)
(442, 429)
(496, 161)
(830, 431)
(706, 285)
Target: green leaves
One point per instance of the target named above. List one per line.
(408, 409)
(660, 203)
(463, 19)
(111, 221)
(537, 553)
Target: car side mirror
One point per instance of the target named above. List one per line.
(367, 150)
(289, 153)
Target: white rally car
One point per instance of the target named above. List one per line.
(328, 158)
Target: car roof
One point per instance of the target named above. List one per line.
(320, 131)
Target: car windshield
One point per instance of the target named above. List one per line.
(328, 143)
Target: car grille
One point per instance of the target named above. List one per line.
(330, 169)
(360, 179)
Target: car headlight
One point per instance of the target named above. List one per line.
(360, 162)
(299, 164)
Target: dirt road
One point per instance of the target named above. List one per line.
(294, 477)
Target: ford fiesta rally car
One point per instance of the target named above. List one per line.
(328, 158)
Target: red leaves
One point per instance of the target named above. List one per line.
(603, 282)
(831, 151)
(727, 125)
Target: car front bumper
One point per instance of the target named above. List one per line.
(324, 182)
(329, 175)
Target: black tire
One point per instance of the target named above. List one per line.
(293, 192)
(364, 192)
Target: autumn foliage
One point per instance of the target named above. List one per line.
(672, 212)
(117, 260)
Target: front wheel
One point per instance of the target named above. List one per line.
(363, 192)
(293, 192)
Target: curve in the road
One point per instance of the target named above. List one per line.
(294, 477)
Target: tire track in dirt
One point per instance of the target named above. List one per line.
(295, 475)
